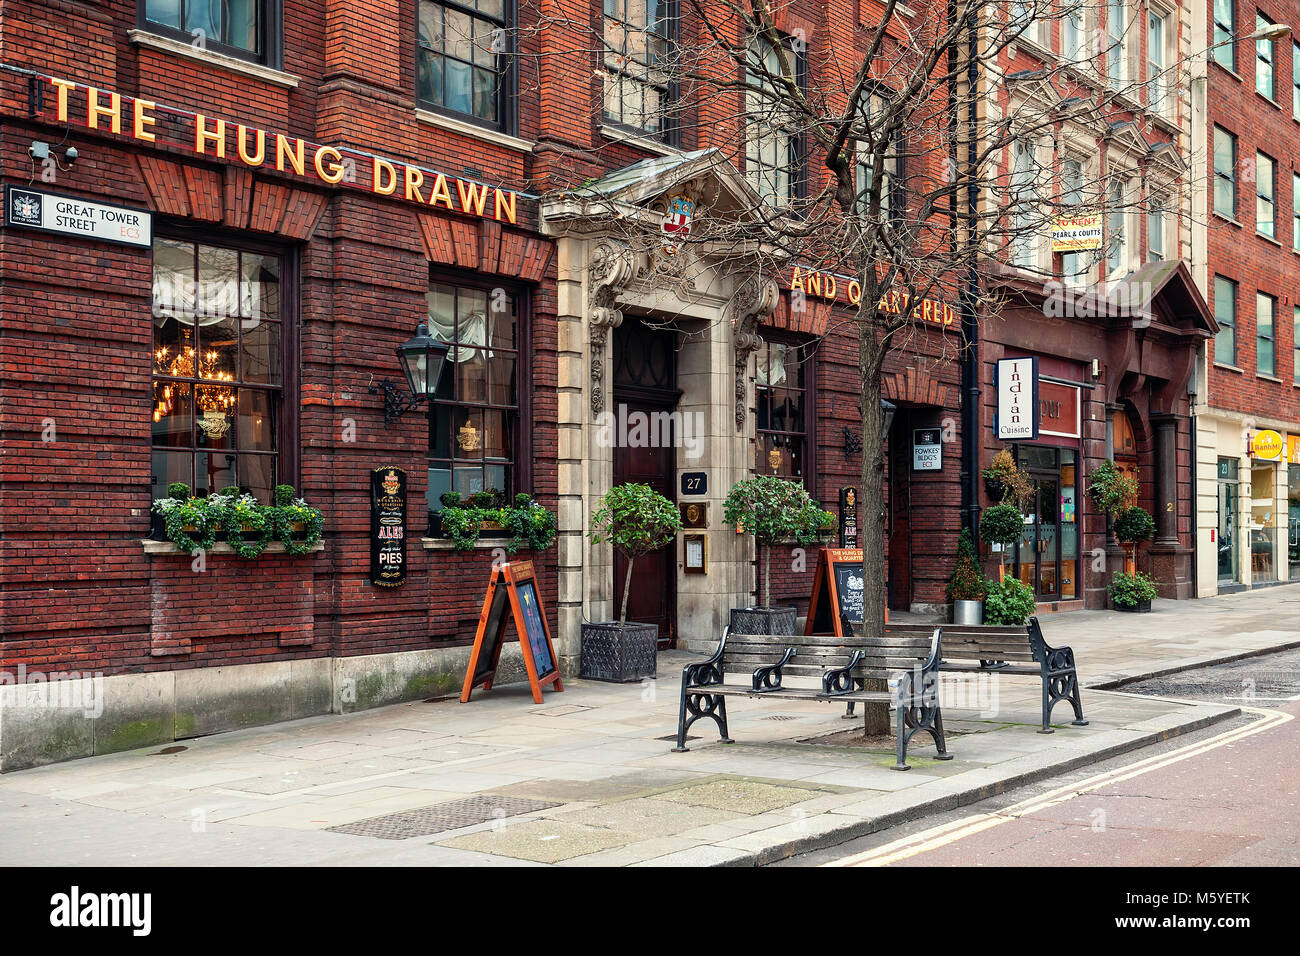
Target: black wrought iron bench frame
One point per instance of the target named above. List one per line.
(841, 664)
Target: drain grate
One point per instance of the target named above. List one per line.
(780, 717)
(674, 737)
(442, 816)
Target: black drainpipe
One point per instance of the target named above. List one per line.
(970, 382)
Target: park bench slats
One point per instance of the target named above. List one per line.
(982, 649)
(840, 665)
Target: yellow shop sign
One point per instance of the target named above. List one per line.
(1267, 445)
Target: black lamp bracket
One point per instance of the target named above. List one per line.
(397, 400)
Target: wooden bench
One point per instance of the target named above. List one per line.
(992, 649)
(769, 665)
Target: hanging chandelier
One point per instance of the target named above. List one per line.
(215, 402)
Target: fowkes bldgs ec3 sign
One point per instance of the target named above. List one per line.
(1017, 418)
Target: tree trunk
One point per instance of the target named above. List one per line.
(627, 589)
(872, 513)
(767, 575)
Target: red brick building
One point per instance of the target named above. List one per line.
(266, 197)
(1248, 463)
(1115, 331)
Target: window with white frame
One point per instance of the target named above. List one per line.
(1074, 45)
(1265, 193)
(1295, 80)
(1265, 59)
(1295, 211)
(1074, 265)
(772, 143)
(638, 37)
(1265, 337)
(1024, 25)
(1157, 227)
(1116, 227)
(1225, 173)
(872, 119)
(1117, 43)
(1224, 48)
(1160, 31)
(1024, 195)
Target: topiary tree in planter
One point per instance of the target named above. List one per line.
(772, 510)
(636, 520)
(967, 584)
(1002, 525)
(1132, 526)
(1132, 591)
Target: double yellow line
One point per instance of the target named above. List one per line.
(947, 833)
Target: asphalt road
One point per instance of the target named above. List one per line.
(1229, 796)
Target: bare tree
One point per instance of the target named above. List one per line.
(922, 160)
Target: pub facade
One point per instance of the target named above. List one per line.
(211, 252)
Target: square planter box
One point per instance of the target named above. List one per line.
(763, 620)
(619, 652)
(1142, 607)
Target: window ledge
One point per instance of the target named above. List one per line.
(1226, 69)
(1228, 219)
(616, 134)
(1268, 238)
(235, 65)
(1230, 368)
(152, 547)
(474, 131)
(1268, 378)
(1269, 100)
(483, 544)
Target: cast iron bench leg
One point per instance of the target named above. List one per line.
(1077, 702)
(1047, 707)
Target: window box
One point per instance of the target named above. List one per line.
(246, 526)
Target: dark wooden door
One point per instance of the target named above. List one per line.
(653, 598)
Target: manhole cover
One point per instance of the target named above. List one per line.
(442, 816)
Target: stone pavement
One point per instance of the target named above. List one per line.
(586, 777)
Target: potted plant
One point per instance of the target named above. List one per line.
(636, 520)
(772, 510)
(1005, 481)
(1009, 602)
(1132, 591)
(1132, 526)
(1002, 525)
(966, 587)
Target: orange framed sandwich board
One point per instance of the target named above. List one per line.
(837, 592)
(516, 585)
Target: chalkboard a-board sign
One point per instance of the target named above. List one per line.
(388, 527)
(837, 592)
(514, 584)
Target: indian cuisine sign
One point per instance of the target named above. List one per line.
(213, 137)
(1017, 418)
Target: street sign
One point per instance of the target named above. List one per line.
(72, 216)
(927, 450)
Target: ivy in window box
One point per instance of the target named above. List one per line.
(464, 520)
(248, 526)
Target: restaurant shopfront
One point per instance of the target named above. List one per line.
(1112, 384)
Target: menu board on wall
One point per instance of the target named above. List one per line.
(388, 527)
